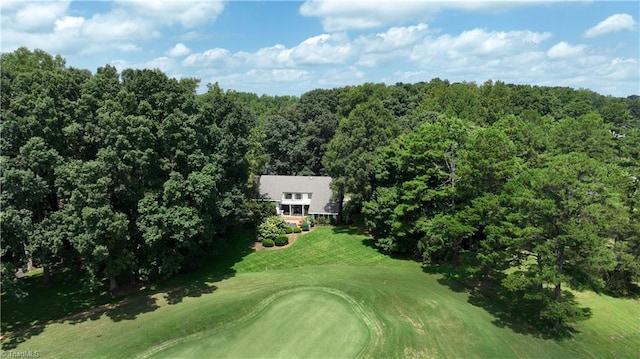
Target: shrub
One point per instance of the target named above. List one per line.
(297, 230)
(311, 220)
(288, 230)
(271, 227)
(259, 210)
(267, 243)
(282, 240)
(323, 221)
(305, 226)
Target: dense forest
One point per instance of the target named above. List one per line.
(134, 176)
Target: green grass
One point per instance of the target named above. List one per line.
(280, 304)
(307, 322)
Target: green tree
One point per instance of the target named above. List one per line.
(561, 214)
(317, 111)
(97, 232)
(350, 155)
(415, 180)
(284, 145)
(587, 134)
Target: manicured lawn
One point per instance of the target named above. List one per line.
(328, 295)
(306, 322)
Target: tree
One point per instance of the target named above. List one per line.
(284, 145)
(587, 134)
(317, 111)
(97, 232)
(489, 161)
(561, 214)
(351, 153)
(415, 181)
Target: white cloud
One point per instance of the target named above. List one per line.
(564, 50)
(614, 23)
(342, 76)
(393, 39)
(49, 26)
(317, 50)
(279, 75)
(339, 15)
(476, 43)
(178, 50)
(344, 15)
(266, 57)
(212, 57)
(188, 13)
(164, 64)
(31, 16)
(68, 23)
(272, 81)
(323, 49)
(118, 25)
(621, 69)
(381, 48)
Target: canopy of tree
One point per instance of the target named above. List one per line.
(135, 176)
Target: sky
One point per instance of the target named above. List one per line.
(290, 47)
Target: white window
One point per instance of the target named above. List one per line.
(287, 196)
(309, 195)
(298, 195)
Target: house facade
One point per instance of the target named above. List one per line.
(299, 195)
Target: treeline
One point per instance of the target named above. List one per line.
(123, 177)
(527, 189)
(134, 176)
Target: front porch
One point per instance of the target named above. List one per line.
(294, 210)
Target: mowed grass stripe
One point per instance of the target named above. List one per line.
(308, 322)
(322, 246)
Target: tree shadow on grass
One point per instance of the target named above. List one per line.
(65, 301)
(494, 301)
(351, 230)
(194, 290)
(371, 243)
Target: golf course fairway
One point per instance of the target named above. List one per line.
(328, 295)
(306, 322)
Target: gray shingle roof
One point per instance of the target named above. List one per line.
(272, 188)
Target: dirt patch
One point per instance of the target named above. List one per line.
(257, 246)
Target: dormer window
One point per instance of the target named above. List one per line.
(309, 195)
(287, 196)
(298, 195)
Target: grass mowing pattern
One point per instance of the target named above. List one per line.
(418, 315)
(323, 246)
(306, 322)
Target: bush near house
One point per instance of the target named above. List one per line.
(288, 230)
(311, 220)
(297, 230)
(270, 228)
(282, 240)
(267, 243)
(305, 226)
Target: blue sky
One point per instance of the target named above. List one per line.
(289, 47)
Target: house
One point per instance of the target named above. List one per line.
(299, 195)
